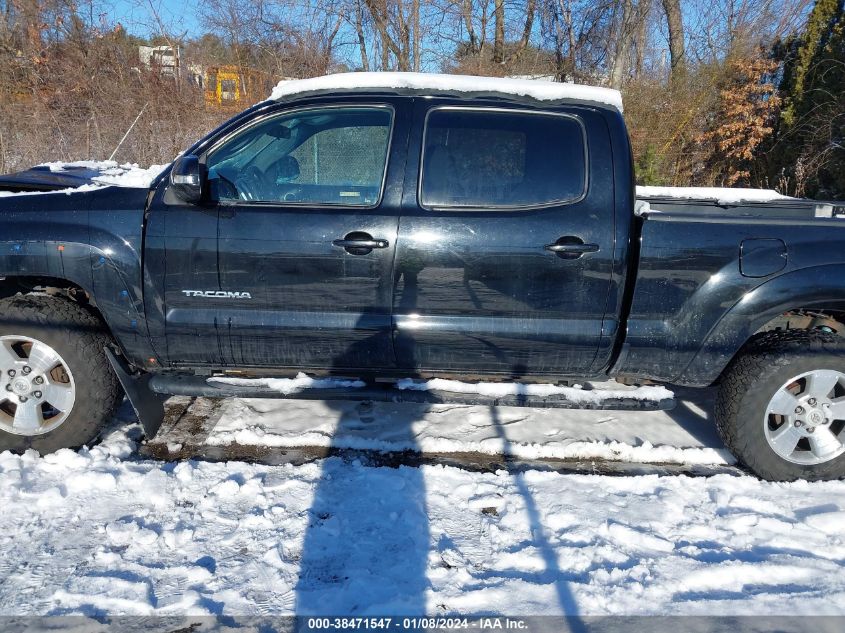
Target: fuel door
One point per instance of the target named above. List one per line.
(761, 257)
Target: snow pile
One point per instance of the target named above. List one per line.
(541, 90)
(126, 175)
(499, 389)
(288, 386)
(99, 533)
(685, 436)
(643, 208)
(720, 195)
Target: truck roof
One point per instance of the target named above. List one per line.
(431, 83)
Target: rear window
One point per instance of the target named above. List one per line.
(502, 159)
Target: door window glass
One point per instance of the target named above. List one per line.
(322, 156)
(501, 159)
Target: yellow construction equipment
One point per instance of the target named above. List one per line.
(232, 85)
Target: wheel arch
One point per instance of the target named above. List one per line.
(120, 324)
(68, 338)
(56, 286)
(817, 289)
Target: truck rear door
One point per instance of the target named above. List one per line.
(505, 248)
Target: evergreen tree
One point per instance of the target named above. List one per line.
(807, 156)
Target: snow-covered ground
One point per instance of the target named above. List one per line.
(102, 531)
(683, 436)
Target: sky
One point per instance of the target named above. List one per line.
(182, 18)
(139, 16)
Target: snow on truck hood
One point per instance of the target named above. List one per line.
(85, 175)
(535, 89)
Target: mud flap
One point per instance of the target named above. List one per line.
(148, 405)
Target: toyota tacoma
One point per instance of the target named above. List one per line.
(392, 226)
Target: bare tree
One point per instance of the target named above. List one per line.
(625, 32)
(499, 38)
(362, 37)
(277, 37)
(395, 25)
(581, 34)
(675, 24)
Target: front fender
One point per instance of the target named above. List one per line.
(91, 239)
(816, 286)
(100, 272)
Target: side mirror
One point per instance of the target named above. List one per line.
(186, 178)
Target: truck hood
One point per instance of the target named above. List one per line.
(63, 176)
(42, 179)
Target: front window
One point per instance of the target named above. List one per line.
(327, 156)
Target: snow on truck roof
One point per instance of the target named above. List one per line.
(535, 89)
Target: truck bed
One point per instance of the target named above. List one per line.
(729, 205)
(713, 272)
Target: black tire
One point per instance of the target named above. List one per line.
(749, 383)
(79, 338)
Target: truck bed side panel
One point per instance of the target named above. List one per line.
(688, 316)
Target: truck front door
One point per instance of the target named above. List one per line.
(307, 232)
(505, 247)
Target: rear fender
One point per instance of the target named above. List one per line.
(813, 287)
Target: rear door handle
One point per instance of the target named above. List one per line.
(579, 249)
(361, 243)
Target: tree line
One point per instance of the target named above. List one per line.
(717, 92)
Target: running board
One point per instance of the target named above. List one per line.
(183, 385)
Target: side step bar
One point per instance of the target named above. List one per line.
(148, 392)
(198, 386)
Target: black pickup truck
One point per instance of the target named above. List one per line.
(387, 226)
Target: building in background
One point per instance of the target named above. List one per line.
(167, 60)
(226, 85)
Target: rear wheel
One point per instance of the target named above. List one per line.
(57, 389)
(781, 406)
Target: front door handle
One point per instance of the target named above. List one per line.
(361, 243)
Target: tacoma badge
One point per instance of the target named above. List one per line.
(217, 294)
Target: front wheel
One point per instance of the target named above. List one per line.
(57, 389)
(781, 406)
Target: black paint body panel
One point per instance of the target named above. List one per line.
(476, 292)
(693, 307)
(92, 239)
